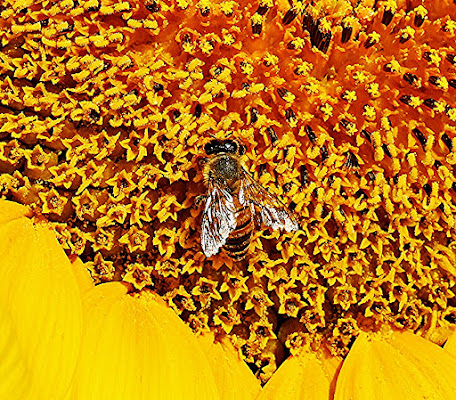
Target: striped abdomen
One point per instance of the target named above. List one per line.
(237, 244)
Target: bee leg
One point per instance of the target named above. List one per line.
(203, 161)
(200, 199)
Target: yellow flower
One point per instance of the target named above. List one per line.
(346, 112)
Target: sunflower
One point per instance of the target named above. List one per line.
(346, 110)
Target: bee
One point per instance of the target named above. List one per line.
(235, 203)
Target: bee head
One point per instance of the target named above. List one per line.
(225, 146)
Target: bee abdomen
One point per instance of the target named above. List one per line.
(237, 247)
(238, 242)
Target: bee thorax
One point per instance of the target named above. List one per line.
(226, 169)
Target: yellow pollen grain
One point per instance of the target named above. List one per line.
(373, 89)
(206, 47)
(247, 68)
(350, 96)
(304, 68)
(228, 39)
(421, 11)
(271, 59)
(439, 107)
(435, 58)
(327, 110)
(360, 77)
(352, 129)
(256, 88)
(408, 32)
(391, 5)
(289, 97)
(312, 88)
(374, 37)
(325, 25)
(204, 4)
(299, 7)
(450, 26)
(299, 43)
(188, 47)
(183, 4)
(452, 114)
(415, 101)
(369, 112)
(257, 19)
(227, 7)
(395, 66)
(387, 125)
(267, 3)
(442, 83)
(133, 23)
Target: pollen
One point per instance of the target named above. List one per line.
(271, 59)
(350, 96)
(247, 68)
(227, 7)
(369, 112)
(257, 19)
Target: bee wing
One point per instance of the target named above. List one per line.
(273, 212)
(219, 219)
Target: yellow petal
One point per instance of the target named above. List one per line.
(405, 367)
(10, 210)
(135, 347)
(450, 345)
(232, 375)
(331, 365)
(435, 362)
(300, 377)
(82, 275)
(39, 293)
(15, 379)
